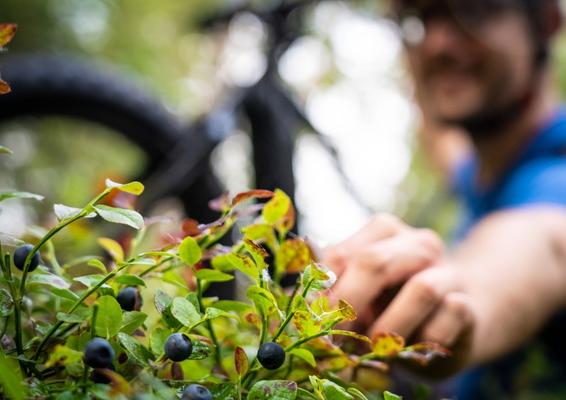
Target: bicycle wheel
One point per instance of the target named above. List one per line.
(63, 115)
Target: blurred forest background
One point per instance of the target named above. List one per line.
(347, 71)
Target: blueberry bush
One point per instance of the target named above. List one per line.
(138, 323)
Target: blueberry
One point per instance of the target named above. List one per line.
(271, 355)
(21, 254)
(196, 392)
(178, 347)
(129, 299)
(98, 354)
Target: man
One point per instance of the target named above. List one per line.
(479, 67)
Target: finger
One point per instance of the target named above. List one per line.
(380, 227)
(450, 321)
(382, 264)
(416, 301)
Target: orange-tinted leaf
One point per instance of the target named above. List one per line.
(293, 256)
(252, 194)
(387, 344)
(4, 87)
(7, 33)
(347, 311)
(190, 227)
(241, 362)
(424, 352)
(354, 335)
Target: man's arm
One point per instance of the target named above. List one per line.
(505, 280)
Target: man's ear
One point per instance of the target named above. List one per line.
(553, 18)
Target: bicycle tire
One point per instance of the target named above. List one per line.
(60, 85)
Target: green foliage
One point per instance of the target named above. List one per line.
(73, 303)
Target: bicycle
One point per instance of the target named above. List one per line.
(178, 156)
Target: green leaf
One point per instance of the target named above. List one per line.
(232, 305)
(120, 216)
(89, 280)
(162, 301)
(263, 300)
(306, 323)
(130, 280)
(333, 391)
(11, 378)
(109, 317)
(132, 320)
(5, 150)
(185, 312)
(212, 275)
(201, 350)
(390, 396)
(244, 264)
(70, 318)
(6, 303)
(276, 208)
(132, 187)
(134, 348)
(357, 393)
(157, 340)
(318, 277)
(96, 263)
(258, 253)
(20, 195)
(212, 313)
(48, 279)
(225, 391)
(305, 355)
(63, 212)
(273, 390)
(63, 355)
(64, 293)
(241, 362)
(190, 251)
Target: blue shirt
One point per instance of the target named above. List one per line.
(537, 176)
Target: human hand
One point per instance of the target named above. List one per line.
(430, 306)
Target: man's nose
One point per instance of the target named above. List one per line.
(440, 35)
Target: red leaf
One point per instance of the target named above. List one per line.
(241, 361)
(252, 194)
(424, 352)
(191, 227)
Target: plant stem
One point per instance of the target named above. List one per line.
(217, 353)
(309, 338)
(154, 267)
(77, 303)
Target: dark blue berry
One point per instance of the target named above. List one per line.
(98, 354)
(196, 392)
(178, 347)
(20, 255)
(129, 299)
(271, 355)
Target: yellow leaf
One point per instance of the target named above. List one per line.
(113, 248)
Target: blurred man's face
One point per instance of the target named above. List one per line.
(462, 72)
